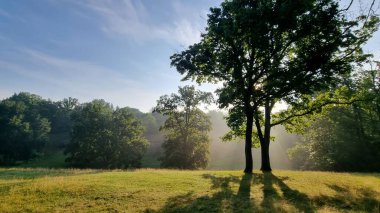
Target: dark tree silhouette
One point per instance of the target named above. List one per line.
(265, 52)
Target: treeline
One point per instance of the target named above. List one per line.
(341, 137)
(94, 134)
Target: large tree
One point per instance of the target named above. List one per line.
(347, 137)
(103, 137)
(24, 127)
(267, 51)
(186, 128)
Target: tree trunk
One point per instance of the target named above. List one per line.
(265, 161)
(248, 144)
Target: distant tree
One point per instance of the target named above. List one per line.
(61, 123)
(23, 130)
(265, 52)
(68, 104)
(105, 138)
(186, 128)
(151, 122)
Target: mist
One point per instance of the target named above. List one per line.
(230, 155)
(225, 155)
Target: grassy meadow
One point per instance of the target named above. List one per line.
(150, 190)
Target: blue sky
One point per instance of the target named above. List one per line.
(117, 50)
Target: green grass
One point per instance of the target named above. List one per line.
(56, 160)
(53, 160)
(67, 190)
(150, 161)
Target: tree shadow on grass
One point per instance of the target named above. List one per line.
(294, 198)
(224, 200)
(362, 200)
(277, 197)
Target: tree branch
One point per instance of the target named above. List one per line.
(369, 11)
(348, 7)
(311, 110)
(258, 127)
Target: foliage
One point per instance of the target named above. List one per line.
(345, 138)
(105, 138)
(152, 122)
(269, 51)
(58, 117)
(61, 123)
(186, 139)
(24, 130)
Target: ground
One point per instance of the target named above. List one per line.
(149, 190)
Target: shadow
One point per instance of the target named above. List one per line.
(224, 200)
(265, 192)
(362, 200)
(295, 198)
(242, 200)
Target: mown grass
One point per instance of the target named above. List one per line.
(70, 190)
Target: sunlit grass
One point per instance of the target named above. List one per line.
(148, 190)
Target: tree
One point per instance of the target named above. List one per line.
(23, 129)
(265, 52)
(345, 138)
(186, 128)
(61, 123)
(105, 138)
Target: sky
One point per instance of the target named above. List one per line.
(116, 50)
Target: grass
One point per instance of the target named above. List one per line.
(149, 190)
(53, 160)
(56, 160)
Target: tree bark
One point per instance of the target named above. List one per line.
(265, 161)
(248, 144)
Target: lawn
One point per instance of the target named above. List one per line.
(149, 190)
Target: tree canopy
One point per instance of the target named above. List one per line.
(105, 138)
(346, 137)
(24, 129)
(265, 52)
(186, 128)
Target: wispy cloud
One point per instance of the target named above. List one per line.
(7, 15)
(131, 18)
(81, 79)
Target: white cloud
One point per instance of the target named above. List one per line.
(61, 77)
(130, 18)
